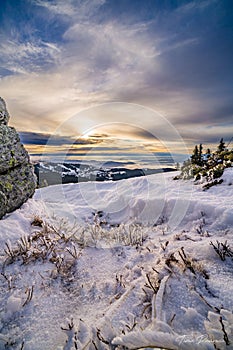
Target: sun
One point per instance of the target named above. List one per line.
(87, 134)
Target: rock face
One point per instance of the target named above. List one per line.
(17, 179)
(4, 115)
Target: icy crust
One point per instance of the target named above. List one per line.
(88, 267)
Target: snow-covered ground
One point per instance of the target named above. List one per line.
(134, 264)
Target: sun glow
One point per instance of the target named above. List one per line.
(87, 135)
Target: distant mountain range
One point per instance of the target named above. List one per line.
(49, 173)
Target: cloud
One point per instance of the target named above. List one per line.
(33, 138)
(178, 61)
(42, 102)
(73, 10)
(221, 114)
(95, 62)
(106, 56)
(57, 7)
(27, 57)
(192, 6)
(99, 136)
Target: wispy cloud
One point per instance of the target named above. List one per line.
(74, 9)
(57, 7)
(192, 6)
(27, 57)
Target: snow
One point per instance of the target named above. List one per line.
(119, 265)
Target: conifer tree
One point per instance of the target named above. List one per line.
(195, 156)
(200, 154)
(207, 154)
(221, 146)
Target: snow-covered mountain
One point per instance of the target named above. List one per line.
(57, 173)
(135, 264)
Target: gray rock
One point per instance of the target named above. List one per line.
(17, 185)
(4, 115)
(17, 178)
(3, 203)
(12, 151)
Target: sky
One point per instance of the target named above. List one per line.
(107, 77)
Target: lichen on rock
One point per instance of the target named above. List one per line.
(17, 178)
(12, 151)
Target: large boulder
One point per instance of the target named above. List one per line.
(17, 179)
